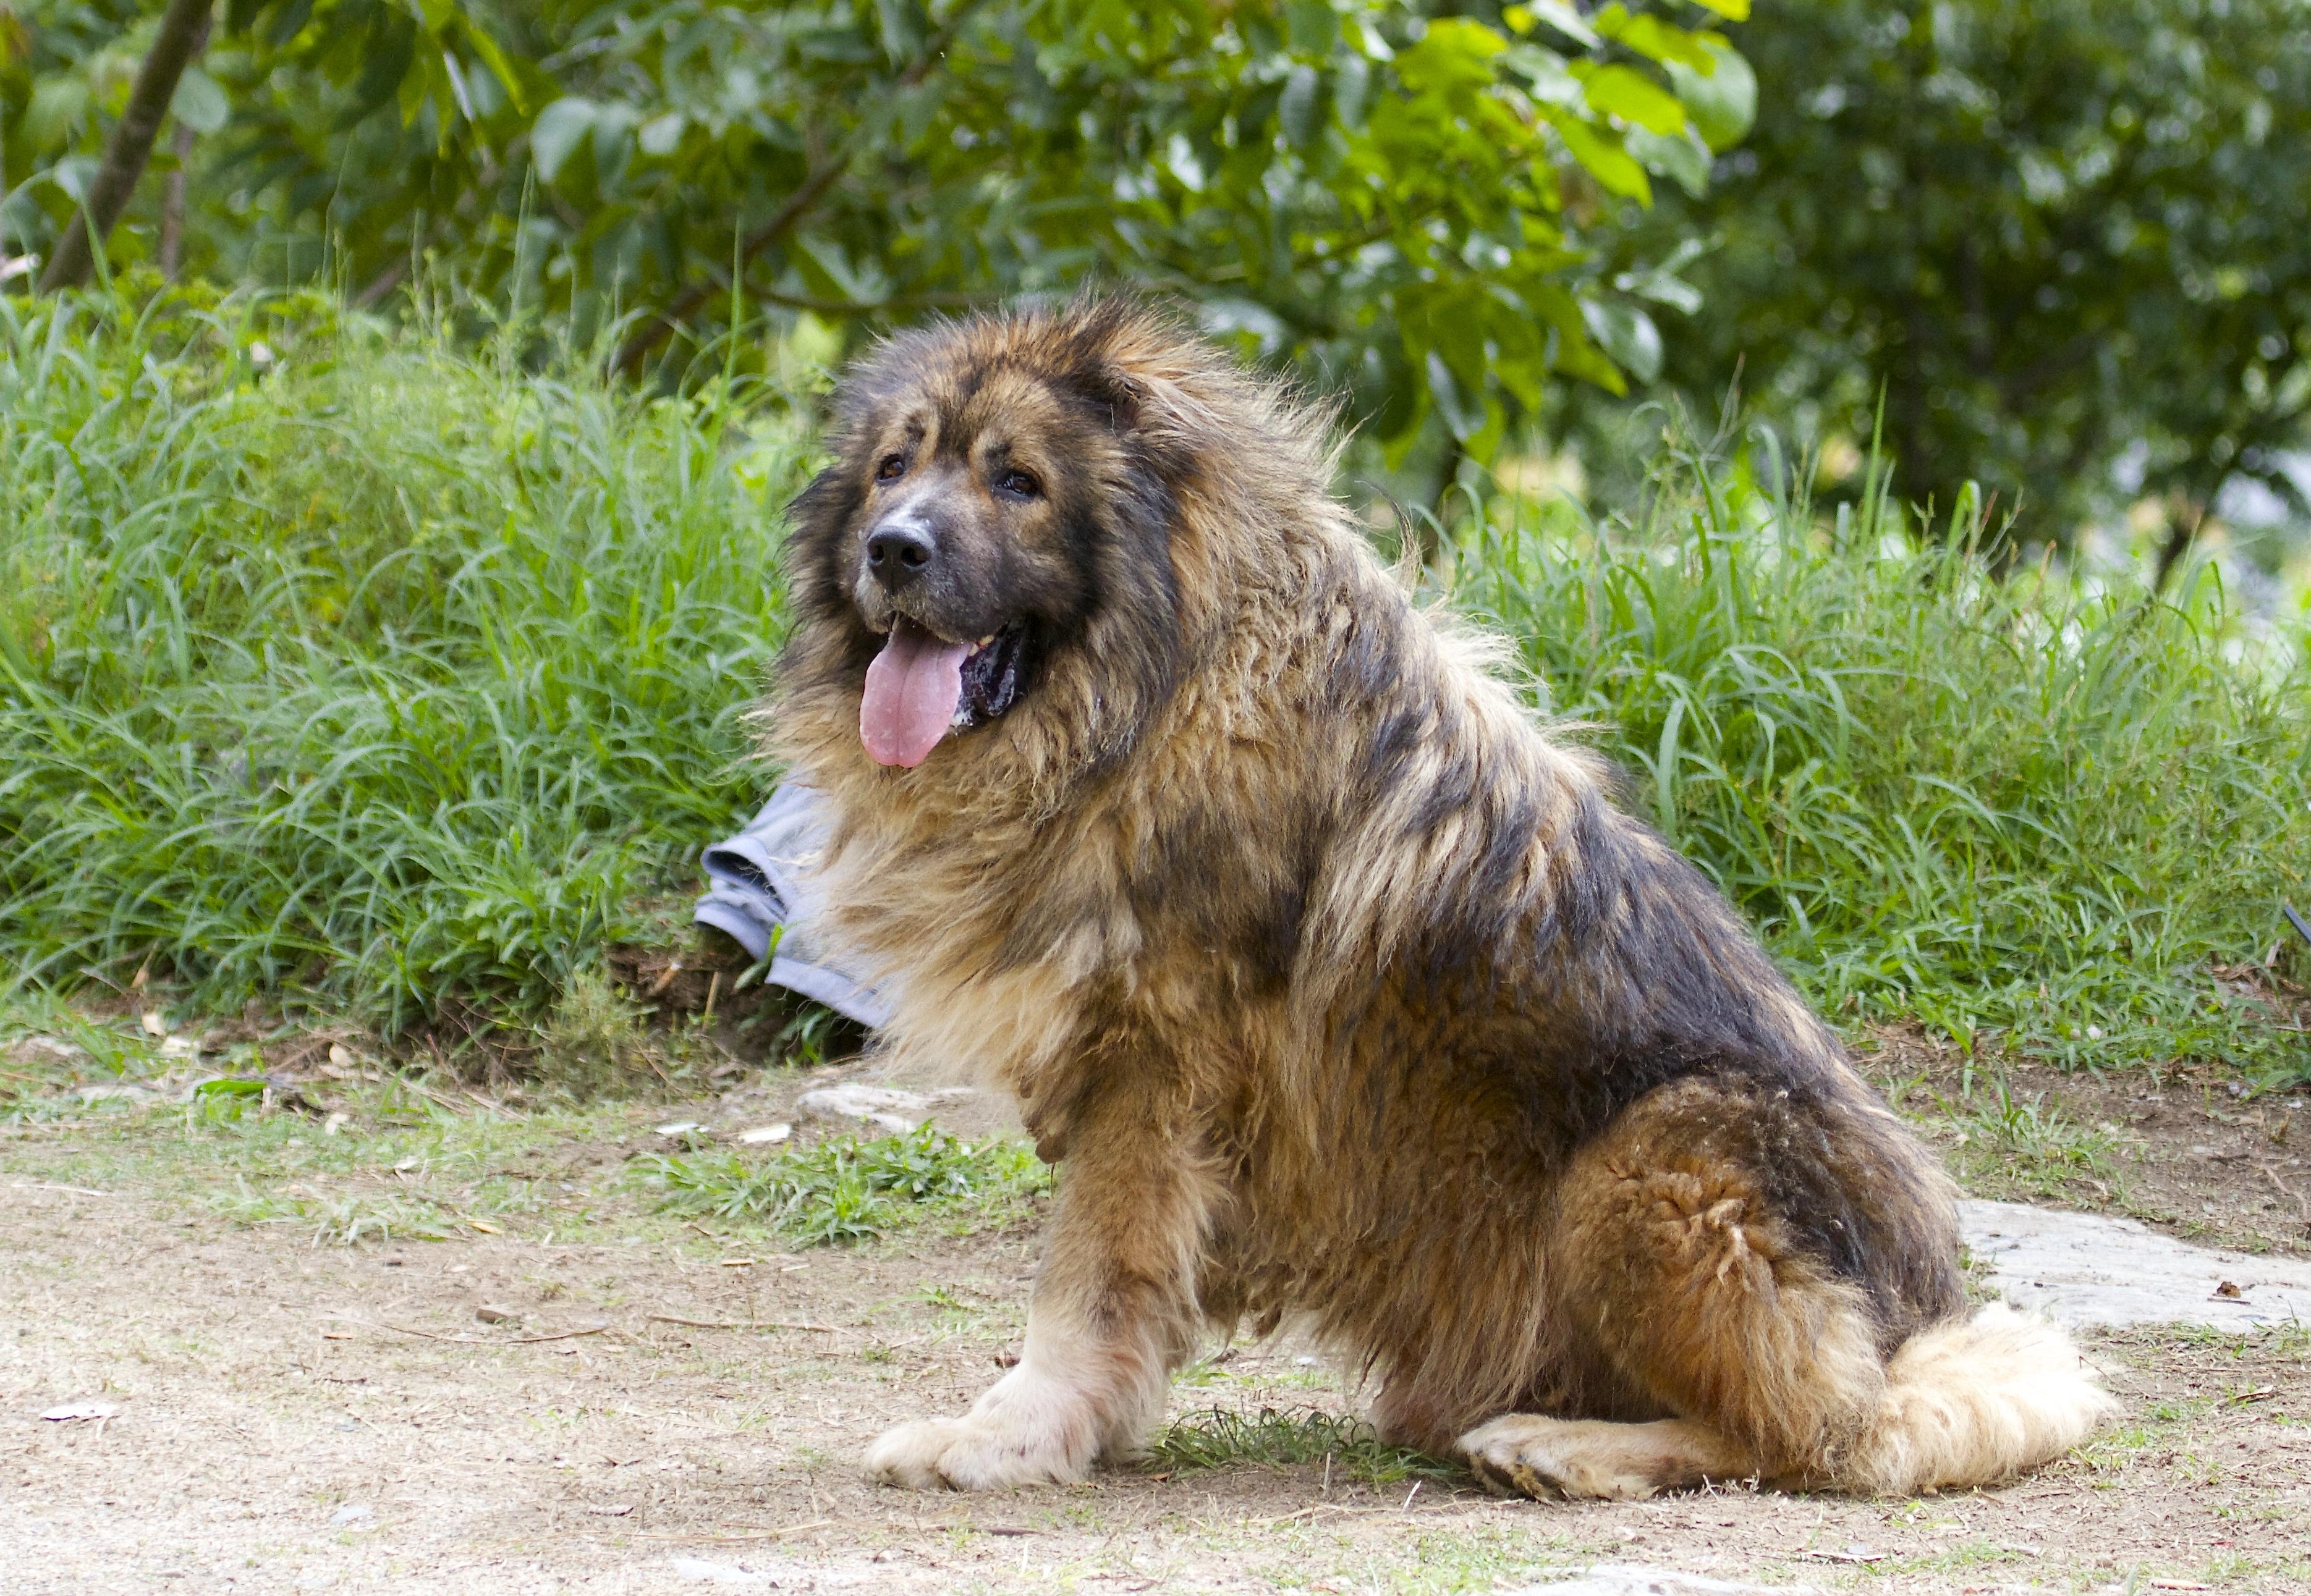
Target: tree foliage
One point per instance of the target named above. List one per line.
(1405, 199)
(2052, 233)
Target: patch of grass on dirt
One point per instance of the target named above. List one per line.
(2005, 1144)
(1288, 1438)
(850, 1189)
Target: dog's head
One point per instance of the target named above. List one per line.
(995, 553)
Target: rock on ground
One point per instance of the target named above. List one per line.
(884, 1107)
(2096, 1270)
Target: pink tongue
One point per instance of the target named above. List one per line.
(913, 690)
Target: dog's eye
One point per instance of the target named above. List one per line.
(1020, 482)
(891, 468)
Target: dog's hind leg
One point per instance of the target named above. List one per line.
(1685, 1276)
(1691, 1301)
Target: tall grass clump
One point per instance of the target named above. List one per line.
(353, 669)
(2017, 805)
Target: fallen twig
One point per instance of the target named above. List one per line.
(404, 1330)
(44, 1185)
(741, 1324)
(2302, 1203)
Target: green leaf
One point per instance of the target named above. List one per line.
(504, 69)
(560, 127)
(1681, 157)
(1650, 36)
(1314, 25)
(1551, 81)
(902, 29)
(1604, 158)
(199, 103)
(58, 102)
(1296, 112)
(1732, 11)
(1351, 82)
(1627, 334)
(661, 135)
(1463, 413)
(1723, 101)
(1629, 94)
(1557, 13)
(1454, 54)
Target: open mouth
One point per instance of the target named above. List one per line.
(921, 687)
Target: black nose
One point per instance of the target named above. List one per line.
(899, 553)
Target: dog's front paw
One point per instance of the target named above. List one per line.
(968, 1455)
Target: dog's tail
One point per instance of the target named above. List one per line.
(1974, 1401)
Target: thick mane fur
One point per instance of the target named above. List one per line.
(1274, 857)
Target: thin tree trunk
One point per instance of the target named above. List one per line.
(2182, 532)
(172, 205)
(1448, 477)
(184, 29)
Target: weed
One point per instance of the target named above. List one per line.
(2002, 1138)
(593, 1044)
(848, 1189)
(344, 1221)
(1281, 1438)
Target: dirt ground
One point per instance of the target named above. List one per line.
(281, 1408)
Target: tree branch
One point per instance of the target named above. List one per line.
(798, 204)
(184, 30)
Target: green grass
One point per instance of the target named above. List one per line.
(1282, 1438)
(370, 674)
(2030, 811)
(377, 678)
(2008, 1145)
(850, 1189)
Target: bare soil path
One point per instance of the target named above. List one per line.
(303, 1395)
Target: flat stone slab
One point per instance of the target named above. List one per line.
(882, 1107)
(1631, 1579)
(2093, 1271)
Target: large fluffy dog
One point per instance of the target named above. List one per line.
(1342, 992)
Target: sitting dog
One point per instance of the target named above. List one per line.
(1341, 993)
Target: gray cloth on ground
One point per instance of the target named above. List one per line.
(760, 886)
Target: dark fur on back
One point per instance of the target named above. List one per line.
(1271, 867)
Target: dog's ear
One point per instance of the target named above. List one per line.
(825, 501)
(1116, 394)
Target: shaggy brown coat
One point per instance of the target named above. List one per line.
(1343, 992)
